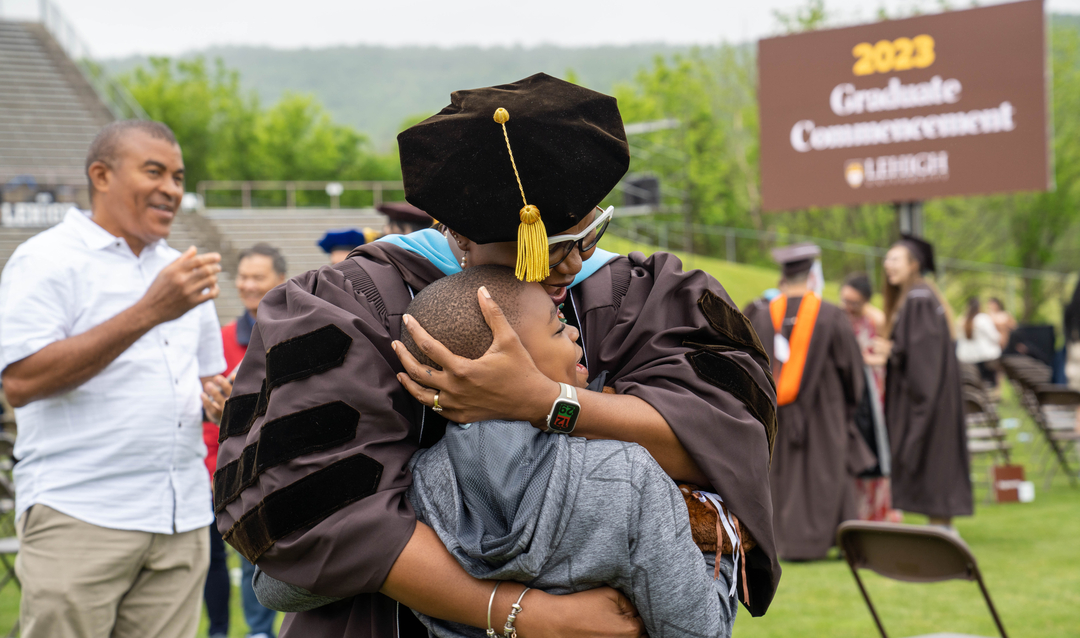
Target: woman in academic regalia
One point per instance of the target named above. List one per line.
(691, 377)
(923, 405)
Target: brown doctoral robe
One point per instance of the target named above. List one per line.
(312, 469)
(924, 412)
(818, 449)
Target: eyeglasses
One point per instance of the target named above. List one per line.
(560, 246)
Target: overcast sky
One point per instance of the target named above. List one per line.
(114, 28)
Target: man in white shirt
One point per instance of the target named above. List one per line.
(105, 336)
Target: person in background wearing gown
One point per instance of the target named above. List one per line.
(923, 405)
(818, 367)
(872, 492)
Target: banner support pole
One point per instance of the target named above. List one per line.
(909, 217)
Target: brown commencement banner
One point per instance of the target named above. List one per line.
(905, 110)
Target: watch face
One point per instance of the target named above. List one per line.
(565, 417)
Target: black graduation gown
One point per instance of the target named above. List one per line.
(319, 431)
(818, 448)
(924, 412)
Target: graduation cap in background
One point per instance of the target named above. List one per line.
(341, 239)
(921, 250)
(796, 259)
(516, 162)
(404, 212)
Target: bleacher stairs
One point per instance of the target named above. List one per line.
(293, 231)
(49, 113)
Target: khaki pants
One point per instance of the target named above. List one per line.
(84, 581)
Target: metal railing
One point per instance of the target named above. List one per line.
(290, 187)
(118, 99)
(667, 236)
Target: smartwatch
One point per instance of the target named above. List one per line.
(564, 412)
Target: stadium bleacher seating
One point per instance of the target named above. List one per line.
(49, 112)
(293, 231)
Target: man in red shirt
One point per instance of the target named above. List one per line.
(261, 268)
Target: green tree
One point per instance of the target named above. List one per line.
(708, 163)
(213, 120)
(227, 134)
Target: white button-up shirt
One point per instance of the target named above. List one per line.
(123, 450)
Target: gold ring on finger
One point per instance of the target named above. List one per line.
(435, 406)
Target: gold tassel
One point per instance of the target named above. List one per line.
(532, 248)
(532, 252)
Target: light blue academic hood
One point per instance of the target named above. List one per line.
(433, 246)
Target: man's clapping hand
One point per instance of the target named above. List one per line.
(182, 285)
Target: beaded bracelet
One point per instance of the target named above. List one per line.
(509, 631)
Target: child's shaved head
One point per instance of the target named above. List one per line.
(449, 311)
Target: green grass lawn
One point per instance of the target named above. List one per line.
(1029, 555)
(743, 283)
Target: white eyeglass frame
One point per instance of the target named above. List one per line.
(605, 214)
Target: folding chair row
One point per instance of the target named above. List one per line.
(972, 380)
(1052, 407)
(984, 432)
(1057, 420)
(985, 438)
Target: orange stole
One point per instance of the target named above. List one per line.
(787, 387)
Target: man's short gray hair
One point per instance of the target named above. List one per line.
(266, 250)
(106, 143)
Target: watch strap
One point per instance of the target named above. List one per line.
(568, 396)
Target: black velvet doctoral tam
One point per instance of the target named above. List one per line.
(568, 143)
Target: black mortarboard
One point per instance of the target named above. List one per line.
(517, 162)
(404, 212)
(921, 250)
(343, 239)
(796, 258)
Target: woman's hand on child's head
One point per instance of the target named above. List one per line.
(597, 613)
(502, 384)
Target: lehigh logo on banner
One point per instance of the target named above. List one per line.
(903, 110)
(891, 170)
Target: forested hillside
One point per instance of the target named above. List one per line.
(375, 89)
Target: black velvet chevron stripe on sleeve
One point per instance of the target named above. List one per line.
(729, 322)
(238, 414)
(303, 503)
(284, 439)
(730, 377)
(306, 355)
